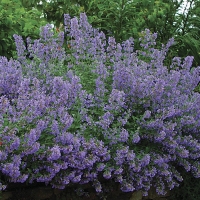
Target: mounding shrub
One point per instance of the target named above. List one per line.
(97, 110)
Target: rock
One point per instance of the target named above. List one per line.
(136, 196)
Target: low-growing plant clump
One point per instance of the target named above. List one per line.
(97, 110)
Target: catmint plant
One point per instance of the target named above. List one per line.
(88, 109)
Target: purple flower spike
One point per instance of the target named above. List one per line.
(54, 153)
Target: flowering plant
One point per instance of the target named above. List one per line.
(97, 110)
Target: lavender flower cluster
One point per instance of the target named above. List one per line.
(111, 112)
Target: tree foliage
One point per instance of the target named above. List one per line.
(188, 32)
(15, 19)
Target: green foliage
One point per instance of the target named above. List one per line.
(53, 11)
(188, 29)
(15, 19)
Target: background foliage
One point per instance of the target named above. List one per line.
(16, 19)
